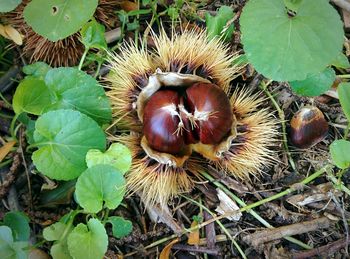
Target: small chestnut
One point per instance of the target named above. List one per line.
(308, 127)
(174, 118)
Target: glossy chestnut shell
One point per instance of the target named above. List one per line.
(176, 117)
(308, 127)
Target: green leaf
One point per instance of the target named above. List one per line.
(8, 5)
(31, 96)
(100, 186)
(216, 24)
(344, 98)
(74, 89)
(341, 61)
(55, 231)
(93, 35)
(340, 153)
(120, 227)
(64, 137)
(314, 84)
(88, 241)
(37, 69)
(117, 155)
(285, 48)
(10, 249)
(19, 223)
(58, 18)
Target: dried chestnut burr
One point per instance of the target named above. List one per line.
(308, 127)
(175, 118)
(177, 103)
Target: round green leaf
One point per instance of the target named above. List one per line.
(8, 5)
(74, 89)
(88, 241)
(286, 48)
(19, 223)
(340, 153)
(314, 84)
(117, 155)
(32, 96)
(344, 98)
(58, 18)
(98, 186)
(64, 137)
(120, 226)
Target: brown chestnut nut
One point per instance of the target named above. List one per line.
(212, 111)
(161, 122)
(308, 127)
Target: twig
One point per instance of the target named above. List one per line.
(11, 176)
(268, 235)
(328, 250)
(196, 249)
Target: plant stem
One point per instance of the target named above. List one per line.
(12, 126)
(346, 132)
(251, 211)
(283, 124)
(220, 224)
(83, 58)
(344, 76)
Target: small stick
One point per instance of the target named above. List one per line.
(268, 235)
(328, 250)
(196, 249)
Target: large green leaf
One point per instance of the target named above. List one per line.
(74, 89)
(57, 19)
(8, 5)
(117, 155)
(19, 223)
(88, 241)
(31, 96)
(286, 48)
(314, 84)
(344, 98)
(340, 153)
(64, 137)
(98, 186)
